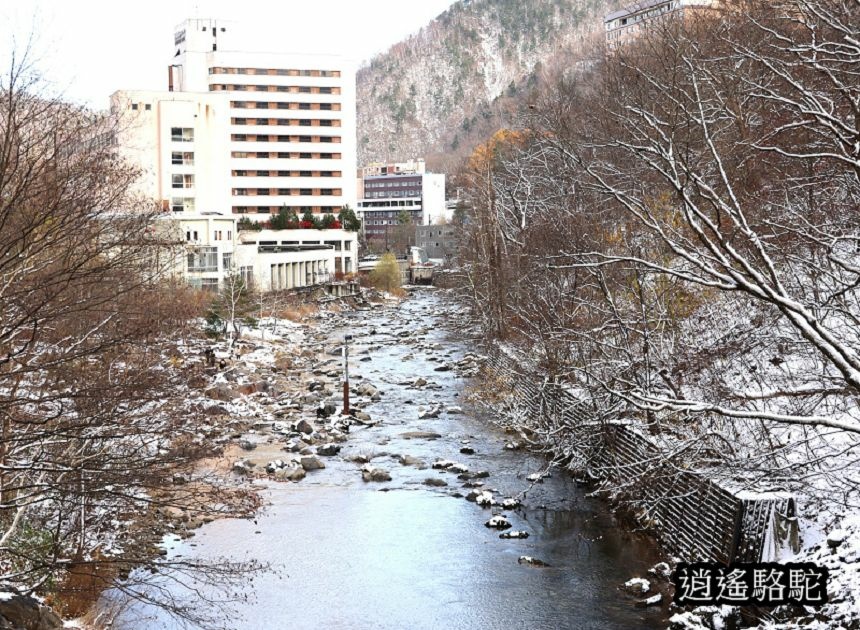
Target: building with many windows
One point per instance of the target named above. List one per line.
(343, 244)
(388, 191)
(628, 23)
(241, 132)
(212, 250)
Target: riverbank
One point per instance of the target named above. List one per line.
(387, 520)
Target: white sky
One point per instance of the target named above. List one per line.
(87, 49)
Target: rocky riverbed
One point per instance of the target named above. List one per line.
(409, 513)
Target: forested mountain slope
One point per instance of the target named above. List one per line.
(448, 86)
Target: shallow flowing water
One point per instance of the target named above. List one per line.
(403, 555)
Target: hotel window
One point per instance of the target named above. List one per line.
(182, 181)
(179, 157)
(304, 156)
(182, 134)
(203, 259)
(182, 204)
(226, 260)
(304, 123)
(304, 105)
(326, 106)
(305, 191)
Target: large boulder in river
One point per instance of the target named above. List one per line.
(328, 450)
(366, 389)
(312, 463)
(368, 473)
(303, 426)
(498, 522)
(326, 410)
(532, 562)
(242, 467)
(291, 473)
(432, 412)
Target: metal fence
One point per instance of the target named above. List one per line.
(695, 517)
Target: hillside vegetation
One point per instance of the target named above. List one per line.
(449, 86)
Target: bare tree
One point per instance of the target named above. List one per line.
(90, 437)
(673, 237)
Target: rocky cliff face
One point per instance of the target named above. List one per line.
(429, 93)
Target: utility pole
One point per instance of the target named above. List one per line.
(346, 340)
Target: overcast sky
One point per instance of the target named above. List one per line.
(87, 49)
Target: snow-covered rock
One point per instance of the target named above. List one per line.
(485, 499)
(498, 522)
(836, 537)
(369, 473)
(651, 601)
(529, 560)
(638, 585)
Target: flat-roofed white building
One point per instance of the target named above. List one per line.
(344, 244)
(211, 250)
(285, 267)
(243, 132)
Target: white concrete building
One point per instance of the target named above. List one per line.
(243, 132)
(213, 250)
(344, 244)
(209, 252)
(283, 267)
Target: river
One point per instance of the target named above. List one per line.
(404, 555)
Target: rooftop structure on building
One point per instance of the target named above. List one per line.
(243, 132)
(628, 23)
(412, 166)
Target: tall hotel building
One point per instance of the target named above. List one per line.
(243, 132)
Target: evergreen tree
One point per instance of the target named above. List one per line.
(348, 220)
